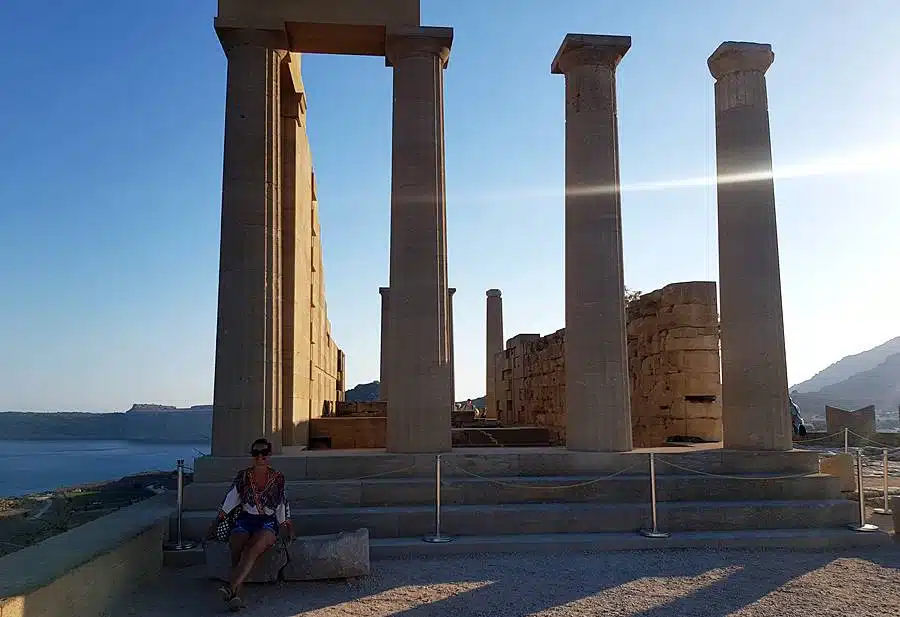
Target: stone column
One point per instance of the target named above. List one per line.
(385, 338)
(246, 394)
(597, 385)
(494, 331)
(450, 292)
(755, 410)
(418, 355)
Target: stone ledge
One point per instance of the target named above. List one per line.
(266, 569)
(85, 570)
(343, 555)
(39, 565)
(306, 558)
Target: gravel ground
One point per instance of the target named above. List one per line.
(692, 583)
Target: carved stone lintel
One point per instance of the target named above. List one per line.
(733, 57)
(590, 50)
(231, 38)
(421, 41)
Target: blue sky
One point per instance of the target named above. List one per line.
(111, 127)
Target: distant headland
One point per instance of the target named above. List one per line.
(148, 422)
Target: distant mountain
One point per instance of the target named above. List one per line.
(849, 366)
(153, 423)
(363, 393)
(876, 381)
(366, 392)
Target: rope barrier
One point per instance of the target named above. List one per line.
(545, 488)
(717, 475)
(877, 443)
(802, 441)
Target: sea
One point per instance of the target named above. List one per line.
(28, 467)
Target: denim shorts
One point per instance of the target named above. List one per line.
(254, 523)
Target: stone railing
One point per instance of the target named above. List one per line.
(86, 570)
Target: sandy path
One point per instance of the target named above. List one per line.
(692, 583)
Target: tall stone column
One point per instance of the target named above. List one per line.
(385, 339)
(755, 410)
(246, 394)
(597, 385)
(418, 355)
(494, 346)
(450, 292)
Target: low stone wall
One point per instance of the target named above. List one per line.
(348, 433)
(86, 571)
(355, 409)
(511, 436)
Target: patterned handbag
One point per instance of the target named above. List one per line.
(226, 524)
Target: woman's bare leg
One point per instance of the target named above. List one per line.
(236, 543)
(256, 546)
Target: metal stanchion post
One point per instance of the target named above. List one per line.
(846, 440)
(887, 504)
(655, 532)
(437, 538)
(180, 544)
(863, 525)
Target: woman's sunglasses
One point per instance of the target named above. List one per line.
(256, 453)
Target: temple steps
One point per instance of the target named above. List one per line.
(801, 539)
(532, 489)
(552, 518)
(511, 462)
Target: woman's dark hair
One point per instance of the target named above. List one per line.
(262, 441)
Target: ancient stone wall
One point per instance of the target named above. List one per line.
(673, 362)
(313, 375)
(673, 353)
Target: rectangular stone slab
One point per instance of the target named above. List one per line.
(266, 569)
(341, 555)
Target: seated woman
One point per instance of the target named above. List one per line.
(259, 492)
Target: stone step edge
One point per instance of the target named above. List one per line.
(794, 539)
(749, 477)
(550, 506)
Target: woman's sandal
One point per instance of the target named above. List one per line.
(231, 599)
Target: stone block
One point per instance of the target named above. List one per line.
(342, 555)
(266, 569)
(860, 421)
(708, 429)
(844, 467)
(706, 342)
(691, 292)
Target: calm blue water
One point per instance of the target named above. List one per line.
(35, 466)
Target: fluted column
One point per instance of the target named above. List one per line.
(755, 411)
(385, 339)
(597, 385)
(494, 330)
(246, 393)
(418, 355)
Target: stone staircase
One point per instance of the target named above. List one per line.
(539, 492)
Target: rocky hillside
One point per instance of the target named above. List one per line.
(850, 366)
(868, 378)
(365, 392)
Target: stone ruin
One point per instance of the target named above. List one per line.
(673, 358)
(860, 421)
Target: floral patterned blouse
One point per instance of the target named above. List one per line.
(270, 501)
